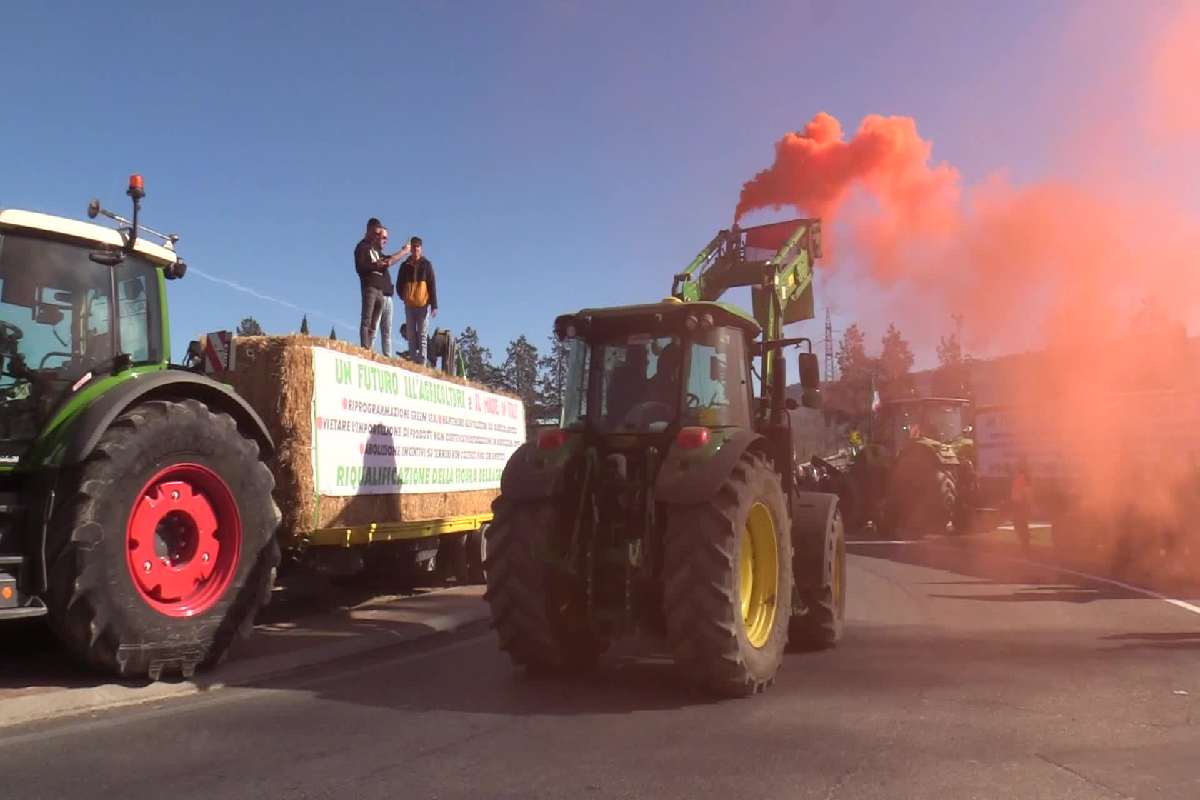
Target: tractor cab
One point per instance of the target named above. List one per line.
(941, 420)
(656, 369)
(78, 302)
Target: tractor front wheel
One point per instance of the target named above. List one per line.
(727, 579)
(820, 626)
(164, 547)
(538, 611)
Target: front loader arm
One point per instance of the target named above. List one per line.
(781, 285)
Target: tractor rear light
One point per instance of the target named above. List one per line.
(551, 439)
(691, 438)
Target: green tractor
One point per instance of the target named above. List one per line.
(136, 509)
(916, 475)
(670, 500)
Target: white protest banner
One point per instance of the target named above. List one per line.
(380, 429)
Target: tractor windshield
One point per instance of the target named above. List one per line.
(57, 318)
(718, 380)
(637, 379)
(942, 421)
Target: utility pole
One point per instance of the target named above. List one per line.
(830, 361)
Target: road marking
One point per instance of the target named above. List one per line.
(1183, 604)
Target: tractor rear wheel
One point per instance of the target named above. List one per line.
(164, 548)
(727, 579)
(537, 611)
(820, 627)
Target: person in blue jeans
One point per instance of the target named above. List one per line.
(417, 287)
(375, 282)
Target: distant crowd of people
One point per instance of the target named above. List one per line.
(415, 285)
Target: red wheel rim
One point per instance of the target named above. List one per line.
(183, 540)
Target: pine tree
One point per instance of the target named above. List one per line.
(952, 376)
(333, 334)
(475, 356)
(895, 365)
(552, 378)
(520, 374)
(851, 393)
(250, 327)
(304, 325)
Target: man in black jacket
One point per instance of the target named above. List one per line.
(417, 287)
(375, 282)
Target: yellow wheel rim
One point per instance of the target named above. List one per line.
(758, 575)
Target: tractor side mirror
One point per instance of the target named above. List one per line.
(810, 371)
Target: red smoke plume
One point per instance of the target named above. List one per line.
(1057, 264)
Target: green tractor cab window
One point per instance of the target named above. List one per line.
(638, 383)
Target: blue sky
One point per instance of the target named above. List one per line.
(552, 155)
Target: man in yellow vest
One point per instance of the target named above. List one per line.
(417, 288)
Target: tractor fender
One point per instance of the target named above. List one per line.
(533, 474)
(687, 478)
(812, 525)
(923, 454)
(170, 384)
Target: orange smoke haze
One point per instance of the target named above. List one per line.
(1057, 262)
(1174, 70)
(1069, 260)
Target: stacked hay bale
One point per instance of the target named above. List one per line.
(275, 376)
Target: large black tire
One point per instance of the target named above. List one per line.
(966, 493)
(820, 626)
(707, 629)
(476, 554)
(539, 615)
(947, 510)
(143, 463)
(921, 496)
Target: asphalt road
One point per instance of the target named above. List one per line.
(962, 676)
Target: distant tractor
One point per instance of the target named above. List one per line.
(135, 504)
(670, 500)
(916, 473)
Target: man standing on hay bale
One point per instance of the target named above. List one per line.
(375, 282)
(417, 287)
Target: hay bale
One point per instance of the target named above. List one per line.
(275, 376)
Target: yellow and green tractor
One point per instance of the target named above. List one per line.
(670, 500)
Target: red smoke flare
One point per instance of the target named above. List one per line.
(1055, 263)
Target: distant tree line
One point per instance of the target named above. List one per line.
(862, 376)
